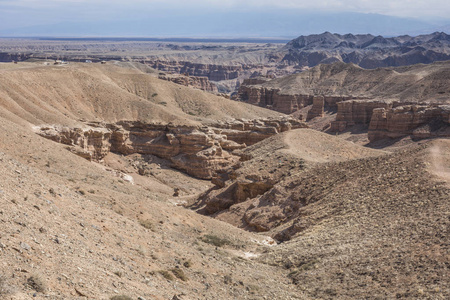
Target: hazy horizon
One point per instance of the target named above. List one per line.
(219, 19)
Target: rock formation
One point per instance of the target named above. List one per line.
(420, 121)
(200, 151)
(201, 83)
(353, 112)
(366, 50)
(317, 108)
(273, 99)
(211, 71)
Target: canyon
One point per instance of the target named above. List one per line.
(202, 152)
(122, 180)
(227, 65)
(391, 102)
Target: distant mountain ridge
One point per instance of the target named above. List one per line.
(366, 50)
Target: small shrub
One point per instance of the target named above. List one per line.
(166, 274)
(187, 264)
(306, 266)
(121, 297)
(118, 273)
(215, 240)
(227, 279)
(146, 224)
(154, 94)
(37, 283)
(179, 274)
(163, 103)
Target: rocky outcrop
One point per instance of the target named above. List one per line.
(317, 109)
(201, 83)
(273, 99)
(237, 192)
(90, 143)
(252, 131)
(211, 71)
(200, 151)
(353, 112)
(419, 121)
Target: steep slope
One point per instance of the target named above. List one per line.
(413, 83)
(73, 229)
(371, 224)
(374, 227)
(79, 231)
(62, 94)
(267, 163)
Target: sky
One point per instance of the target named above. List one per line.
(24, 13)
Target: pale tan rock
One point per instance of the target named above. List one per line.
(199, 151)
(421, 121)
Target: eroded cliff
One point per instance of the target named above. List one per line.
(200, 151)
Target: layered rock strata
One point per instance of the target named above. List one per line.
(419, 121)
(273, 99)
(201, 83)
(317, 109)
(353, 112)
(250, 132)
(211, 71)
(200, 151)
(287, 103)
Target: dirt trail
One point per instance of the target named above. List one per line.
(440, 159)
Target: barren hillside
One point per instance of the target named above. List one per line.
(67, 93)
(101, 163)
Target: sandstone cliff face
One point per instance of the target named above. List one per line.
(202, 152)
(273, 99)
(201, 83)
(353, 112)
(420, 121)
(250, 132)
(211, 71)
(287, 103)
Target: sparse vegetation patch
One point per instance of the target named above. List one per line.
(179, 274)
(215, 240)
(37, 283)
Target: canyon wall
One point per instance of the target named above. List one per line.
(201, 83)
(212, 71)
(393, 119)
(200, 151)
(353, 112)
(419, 121)
(287, 103)
(387, 118)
